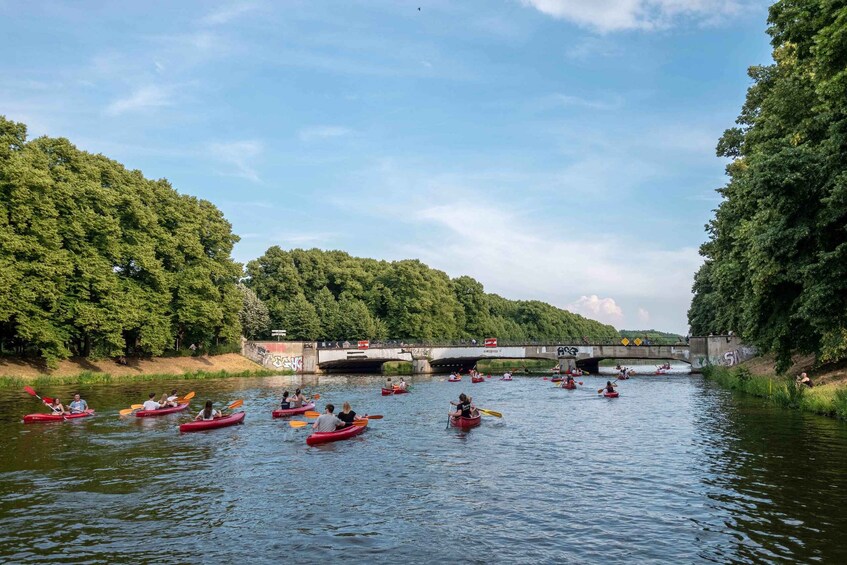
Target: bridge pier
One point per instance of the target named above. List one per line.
(421, 367)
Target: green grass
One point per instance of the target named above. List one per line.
(828, 400)
(397, 368)
(492, 365)
(87, 377)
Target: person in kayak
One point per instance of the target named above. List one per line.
(286, 402)
(388, 384)
(402, 385)
(56, 406)
(610, 386)
(297, 400)
(208, 413)
(328, 422)
(569, 380)
(464, 407)
(172, 400)
(151, 403)
(78, 405)
(347, 415)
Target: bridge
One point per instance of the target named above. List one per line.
(349, 357)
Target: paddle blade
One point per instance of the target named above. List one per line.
(187, 397)
(490, 412)
(360, 422)
(136, 406)
(47, 400)
(374, 417)
(298, 424)
(235, 404)
(30, 391)
(579, 383)
(126, 411)
(311, 414)
(316, 396)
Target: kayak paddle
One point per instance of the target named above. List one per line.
(130, 410)
(186, 398)
(490, 412)
(31, 391)
(302, 424)
(237, 404)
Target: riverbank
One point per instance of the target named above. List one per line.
(757, 377)
(16, 371)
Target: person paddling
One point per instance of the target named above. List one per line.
(56, 406)
(286, 402)
(347, 415)
(78, 406)
(172, 400)
(610, 386)
(402, 385)
(327, 422)
(388, 384)
(464, 408)
(208, 413)
(298, 399)
(151, 403)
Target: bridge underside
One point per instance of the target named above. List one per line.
(354, 366)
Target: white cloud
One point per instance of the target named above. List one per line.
(643, 317)
(603, 310)
(144, 98)
(239, 154)
(323, 132)
(616, 15)
(226, 14)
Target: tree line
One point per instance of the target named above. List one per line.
(96, 260)
(775, 269)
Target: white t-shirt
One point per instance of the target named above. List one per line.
(327, 423)
(151, 405)
(172, 398)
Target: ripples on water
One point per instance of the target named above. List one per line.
(675, 470)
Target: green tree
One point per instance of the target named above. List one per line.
(254, 316)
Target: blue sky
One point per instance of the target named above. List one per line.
(560, 150)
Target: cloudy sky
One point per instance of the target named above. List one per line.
(560, 150)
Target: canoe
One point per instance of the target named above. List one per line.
(280, 413)
(161, 411)
(622, 378)
(34, 418)
(569, 386)
(556, 380)
(611, 394)
(390, 391)
(222, 422)
(465, 423)
(507, 379)
(478, 380)
(318, 438)
(454, 380)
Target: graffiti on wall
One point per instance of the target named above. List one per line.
(736, 356)
(267, 357)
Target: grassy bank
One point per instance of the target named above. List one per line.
(827, 400)
(86, 378)
(397, 368)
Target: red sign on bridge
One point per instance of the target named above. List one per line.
(491, 342)
(364, 344)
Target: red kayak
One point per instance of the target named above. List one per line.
(33, 418)
(478, 380)
(318, 438)
(556, 380)
(280, 413)
(222, 422)
(608, 394)
(390, 391)
(454, 380)
(161, 411)
(465, 423)
(570, 386)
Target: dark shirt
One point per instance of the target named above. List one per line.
(285, 405)
(465, 407)
(347, 418)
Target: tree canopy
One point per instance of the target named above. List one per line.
(776, 258)
(96, 259)
(329, 295)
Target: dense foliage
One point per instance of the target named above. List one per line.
(96, 259)
(329, 295)
(776, 259)
(654, 336)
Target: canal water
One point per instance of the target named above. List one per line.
(675, 470)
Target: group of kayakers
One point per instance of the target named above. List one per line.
(167, 401)
(296, 400)
(329, 422)
(77, 406)
(400, 385)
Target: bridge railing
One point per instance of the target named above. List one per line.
(352, 344)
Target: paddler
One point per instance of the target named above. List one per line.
(388, 384)
(78, 406)
(298, 399)
(347, 415)
(610, 386)
(151, 403)
(208, 413)
(402, 385)
(286, 402)
(464, 407)
(56, 406)
(327, 422)
(172, 400)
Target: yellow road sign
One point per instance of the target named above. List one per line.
(625, 341)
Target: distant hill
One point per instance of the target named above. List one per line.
(652, 335)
